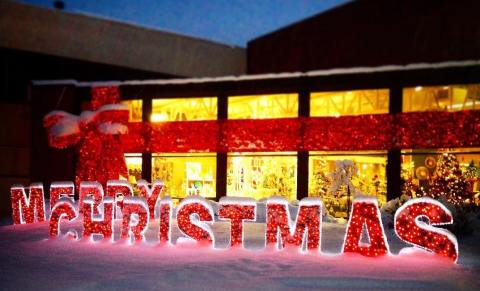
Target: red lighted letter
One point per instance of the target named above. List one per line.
(237, 210)
(151, 194)
(98, 225)
(135, 218)
(280, 230)
(27, 209)
(90, 189)
(365, 212)
(61, 189)
(165, 232)
(64, 208)
(411, 229)
(192, 212)
(119, 190)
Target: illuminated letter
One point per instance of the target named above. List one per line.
(60, 189)
(192, 213)
(308, 223)
(90, 189)
(237, 210)
(165, 231)
(102, 224)
(27, 209)
(64, 208)
(411, 229)
(151, 194)
(365, 212)
(135, 218)
(119, 190)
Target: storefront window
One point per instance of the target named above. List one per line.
(368, 172)
(134, 167)
(451, 173)
(450, 98)
(184, 109)
(263, 106)
(261, 175)
(349, 102)
(135, 109)
(186, 174)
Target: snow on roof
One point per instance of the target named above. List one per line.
(315, 73)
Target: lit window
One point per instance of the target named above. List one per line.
(135, 109)
(186, 174)
(263, 106)
(369, 178)
(134, 167)
(261, 175)
(449, 98)
(349, 102)
(184, 109)
(442, 172)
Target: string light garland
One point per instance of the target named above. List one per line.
(135, 219)
(165, 229)
(99, 224)
(61, 189)
(281, 232)
(64, 208)
(237, 211)
(365, 212)
(152, 195)
(410, 228)
(193, 214)
(27, 209)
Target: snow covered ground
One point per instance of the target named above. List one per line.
(29, 260)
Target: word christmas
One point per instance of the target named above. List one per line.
(414, 221)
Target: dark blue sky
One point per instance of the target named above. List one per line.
(232, 22)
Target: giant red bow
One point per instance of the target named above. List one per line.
(101, 155)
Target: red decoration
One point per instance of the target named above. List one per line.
(192, 213)
(280, 230)
(365, 132)
(64, 208)
(61, 189)
(119, 190)
(165, 231)
(90, 189)
(151, 194)
(98, 225)
(411, 229)
(27, 209)
(135, 218)
(101, 155)
(365, 212)
(237, 210)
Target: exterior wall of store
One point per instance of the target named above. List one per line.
(399, 85)
(52, 164)
(371, 33)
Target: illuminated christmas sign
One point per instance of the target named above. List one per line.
(414, 223)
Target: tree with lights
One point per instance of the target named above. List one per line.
(449, 182)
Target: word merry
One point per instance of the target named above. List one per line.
(414, 222)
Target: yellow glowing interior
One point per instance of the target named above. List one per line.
(370, 178)
(134, 167)
(450, 98)
(418, 166)
(261, 175)
(349, 102)
(186, 174)
(263, 106)
(184, 109)
(135, 106)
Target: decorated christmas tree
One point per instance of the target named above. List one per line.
(449, 182)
